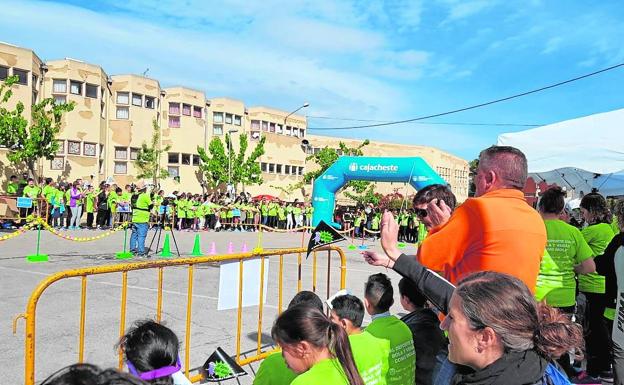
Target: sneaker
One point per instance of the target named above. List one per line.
(584, 378)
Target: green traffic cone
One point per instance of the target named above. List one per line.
(166, 250)
(196, 247)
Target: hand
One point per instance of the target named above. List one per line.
(389, 236)
(377, 259)
(438, 212)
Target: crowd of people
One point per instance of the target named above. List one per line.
(497, 293)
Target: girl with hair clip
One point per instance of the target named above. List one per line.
(151, 353)
(315, 348)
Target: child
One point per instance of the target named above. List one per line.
(315, 347)
(90, 206)
(151, 351)
(58, 207)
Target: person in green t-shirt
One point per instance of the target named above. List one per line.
(281, 216)
(181, 210)
(371, 354)
(12, 186)
(272, 222)
(140, 220)
(567, 254)
(378, 298)
(598, 234)
(273, 370)
(315, 348)
(31, 191)
(90, 196)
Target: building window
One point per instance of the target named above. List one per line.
(271, 127)
(123, 113)
(217, 117)
(301, 133)
(22, 76)
(196, 160)
(174, 121)
(237, 120)
(174, 171)
(255, 135)
(295, 132)
(186, 159)
(91, 91)
(59, 86)
(265, 126)
(255, 125)
(58, 163)
(73, 148)
(186, 109)
(278, 168)
(217, 129)
(61, 149)
(293, 170)
(75, 87)
(60, 99)
(89, 149)
(134, 153)
(288, 130)
(279, 129)
(287, 169)
(197, 112)
(4, 72)
(271, 168)
(123, 98)
(121, 167)
(121, 153)
(263, 167)
(150, 102)
(228, 118)
(174, 108)
(173, 158)
(137, 99)
(300, 171)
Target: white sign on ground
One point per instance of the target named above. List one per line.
(228, 283)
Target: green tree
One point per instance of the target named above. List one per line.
(27, 144)
(245, 169)
(148, 158)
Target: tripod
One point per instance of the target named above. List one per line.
(159, 227)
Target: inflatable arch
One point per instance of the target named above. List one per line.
(414, 171)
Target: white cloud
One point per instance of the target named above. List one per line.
(461, 9)
(552, 44)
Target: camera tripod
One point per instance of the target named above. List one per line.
(159, 227)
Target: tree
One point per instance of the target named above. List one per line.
(148, 158)
(473, 165)
(28, 144)
(215, 163)
(368, 196)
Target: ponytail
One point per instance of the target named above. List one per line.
(339, 345)
(556, 334)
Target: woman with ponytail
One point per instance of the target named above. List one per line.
(498, 334)
(315, 348)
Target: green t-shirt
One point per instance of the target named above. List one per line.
(143, 202)
(565, 249)
(281, 213)
(297, 210)
(113, 198)
(90, 205)
(126, 196)
(375, 223)
(58, 198)
(48, 192)
(273, 371)
(598, 237)
(264, 208)
(615, 225)
(12, 188)
(289, 209)
(371, 356)
(324, 372)
(402, 359)
(31, 192)
(181, 208)
(422, 232)
(272, 209)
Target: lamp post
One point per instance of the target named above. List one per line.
(229, 188)
(306, 104)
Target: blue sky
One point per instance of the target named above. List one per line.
(377, 60)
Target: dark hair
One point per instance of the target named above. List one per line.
(379, 293)
(306, 298)
(552, 201)
(618, 211)
(505, 304)
(301, 323)
(48, 180)
(409, 290)
(509, 164)
(596, 204)
(76, 374)
(118, 190)
(150, 346)
(349, 307)
(435, 191)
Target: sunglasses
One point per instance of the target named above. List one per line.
(421, 213)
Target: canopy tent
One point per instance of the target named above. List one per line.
(578, 154)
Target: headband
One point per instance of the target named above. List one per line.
(156, 373)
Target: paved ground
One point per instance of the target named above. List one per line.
(58, 311)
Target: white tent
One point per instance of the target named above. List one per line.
(574, 152)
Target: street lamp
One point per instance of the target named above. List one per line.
(306, 104)
(229, 188)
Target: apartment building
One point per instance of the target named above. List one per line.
(114, 115)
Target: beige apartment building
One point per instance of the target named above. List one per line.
(113, 116)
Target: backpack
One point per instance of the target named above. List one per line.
(553, 376)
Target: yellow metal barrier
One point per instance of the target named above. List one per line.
(31, 309)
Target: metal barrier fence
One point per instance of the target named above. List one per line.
(30, 315)
(10, 211)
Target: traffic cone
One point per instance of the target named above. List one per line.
(196, 247)
(230, 248)
(166, 250)
(244, 249)
(213, 249)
